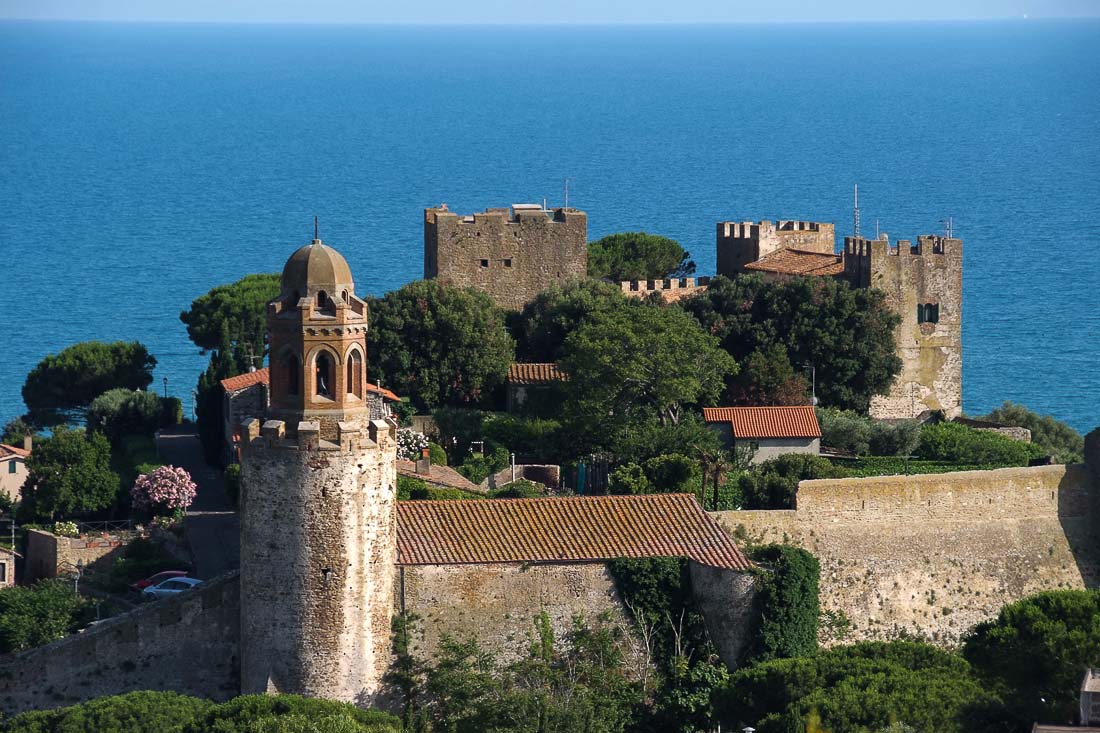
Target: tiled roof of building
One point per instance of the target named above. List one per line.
(767, 422)
(260, 376)
(535, 373)
(798, 262)
(263, 376)
(444, 476)
(562, 530)
(8, 451)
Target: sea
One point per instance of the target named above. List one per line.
(143, 164)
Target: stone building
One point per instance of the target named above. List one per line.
(510, 254)
(532, 380)
(769, 431)
(922, 283)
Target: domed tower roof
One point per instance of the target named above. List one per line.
(317, 267)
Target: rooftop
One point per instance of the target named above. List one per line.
(798, 262)
(562, 530)
(444, 476)
(767, 422)
(8, 451)
(527, 374)
(263, 376)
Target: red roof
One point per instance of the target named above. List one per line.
(562, 530)
(535, 374)
(263, 376)
(241, 381)
(7, 451)
(767, 422)
(798, 262)
(444, 476)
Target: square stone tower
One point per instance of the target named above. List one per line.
(740, 243)
(923, 284)
(510, 254)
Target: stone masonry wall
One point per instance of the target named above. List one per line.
(739, 243)
(187, 644)
(937, 553)
(318, 544)
(497, 604)
(46, 552)
(511, 258)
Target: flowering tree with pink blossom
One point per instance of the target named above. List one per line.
(167, 489)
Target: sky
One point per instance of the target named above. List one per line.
(548, 11)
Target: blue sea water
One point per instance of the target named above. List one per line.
(141, 165)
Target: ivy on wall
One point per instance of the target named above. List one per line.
(787, 602)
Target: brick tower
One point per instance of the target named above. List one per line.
(318, 498)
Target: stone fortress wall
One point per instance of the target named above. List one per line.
(187, 644)
(510, 254)
(318, 529)
(922, 283)
(935, 554)
(739, 243)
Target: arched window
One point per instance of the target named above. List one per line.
(355, 374)
(293, 375)
(324, 376)
(344, 295)
(322, 300)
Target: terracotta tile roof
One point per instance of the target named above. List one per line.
(767, 422)
(798, 262)
(241, 381)
(535, 374)
(562, 530)
(263, 376)
(444, 476)
(7, 451)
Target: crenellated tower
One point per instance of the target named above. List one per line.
(318, 497)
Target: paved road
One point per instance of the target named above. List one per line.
(213, 527)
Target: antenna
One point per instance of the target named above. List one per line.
(949, 226)
(877, 235)
(855, 213)
(316, 229)
(567, 180)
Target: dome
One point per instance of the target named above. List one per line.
(317, 267)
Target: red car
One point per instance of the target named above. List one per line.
(140, 585)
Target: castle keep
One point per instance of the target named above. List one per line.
(922, 283)
(510, 254)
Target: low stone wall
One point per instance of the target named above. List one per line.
(547, 475)
(47, 552)
(187, 644)
(935, 554)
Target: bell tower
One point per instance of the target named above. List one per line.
(318, 497)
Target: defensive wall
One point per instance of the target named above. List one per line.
(935, 554)
(47, 552)
(187, 644)
(510, 254)
(497, 604)
(739, 243)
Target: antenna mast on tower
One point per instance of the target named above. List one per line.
(855, 213)
(949, 226)
(567, 180)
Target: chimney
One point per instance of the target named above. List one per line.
(424, 463)
(28, 440)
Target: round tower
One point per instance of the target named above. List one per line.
(318, 497)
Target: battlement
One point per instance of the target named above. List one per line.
(514, 214)
(642, 287)
(749, 230)
(352, 437)
(741, 243)
(927, 244)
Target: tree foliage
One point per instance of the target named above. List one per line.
(62, 385)
(1036, 651)
(846, 333)
(439, 345)
(69, 472)
(773, 484)
(859, 435)
(858, 688)
(228, 360)
(787, 601)
(120, 412)
(541, 327)
(956, 443)
(15, 430)
(31, 616)
(639, 361)
(240, 308)
(1056, 438)
(637, 256)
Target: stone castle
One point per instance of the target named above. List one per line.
(510, 254)
(922, 283)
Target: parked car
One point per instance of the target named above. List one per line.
(140, 585)
(169, 588)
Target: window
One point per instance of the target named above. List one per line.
(293, 378)
(11, 466)
(920, 313)
(928, 313)
(507, 263)
(324, 375)
(355, 374)
(344, 295)
(485, 263)
(3, 572)
(322, 300)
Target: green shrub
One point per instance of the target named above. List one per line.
(955, 443)
(240, 715)
(1052, 436)
(458, 428)
(628, 479)
(844, 431)
(518, 489)
(436, 493)
(895, 439)
(231, 479)
(673, 473)
(787, 603)
(134, 712)
(533, 438)
(31, 616)
(171, 411)
(120, 412)
(437, 455)
(477, 467)
(773, 484)
(406, 486)
(898, 466)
